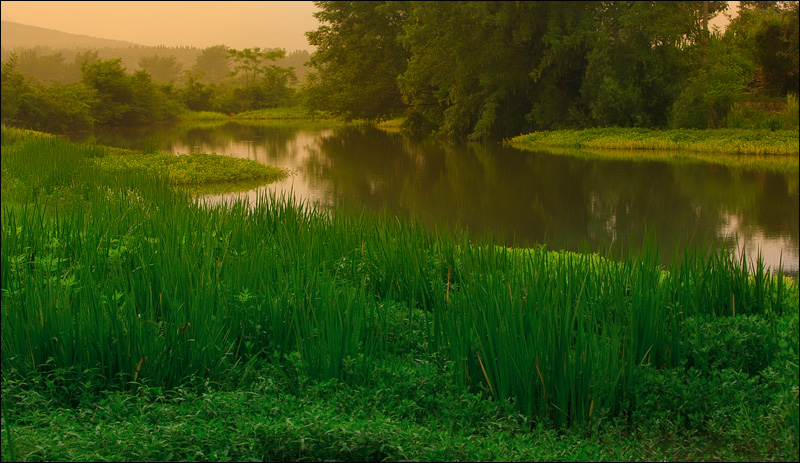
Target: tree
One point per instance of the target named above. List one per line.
(469, 64)
(55, 108)
(14, 89)
(712, 89)
(213, 62)
(196, 95)
(42, 67)
(358, 59)
(114, 93)
(768, 32)
(640, 58)
(266, 85)
(251, 62)
(164, 69)
(122, 99)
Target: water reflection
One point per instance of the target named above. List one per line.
(520, 198)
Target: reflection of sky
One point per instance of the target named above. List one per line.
(292, 157)
(774, 250)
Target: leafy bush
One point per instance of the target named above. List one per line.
(711, 92)
(754, 116)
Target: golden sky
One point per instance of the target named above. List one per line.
(266, 24)
(270, 24)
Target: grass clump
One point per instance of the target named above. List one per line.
(718, 141)
(198, 116)
(77, 164)
(295, 112)
(194, 168)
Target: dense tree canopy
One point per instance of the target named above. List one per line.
(500, 68)
(358, 59)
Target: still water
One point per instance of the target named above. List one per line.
(507, 195)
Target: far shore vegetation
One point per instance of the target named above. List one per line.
(767, 150)
(720, 141)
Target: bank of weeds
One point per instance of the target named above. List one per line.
(200, 173)
(272, 331)
(717, 142)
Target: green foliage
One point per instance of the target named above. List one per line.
(357, 60)
(196, 95)
(123, 99)
(638, 60)
(14, 86)
(497, 69)
(161, 68)
(55, 108)
(768, 32)
(213, 64)
(194, 168)
(713, 89)
(468, 65)
(265, 85)
(760, 116)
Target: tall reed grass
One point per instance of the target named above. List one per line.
(141, 285)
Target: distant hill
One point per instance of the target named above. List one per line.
(15, 35)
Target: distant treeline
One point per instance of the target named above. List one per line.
(53, 93)
(63, 65)
(491, 68)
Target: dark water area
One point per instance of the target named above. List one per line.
(507, 195)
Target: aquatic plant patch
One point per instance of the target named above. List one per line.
(193, 168)
(717, 141)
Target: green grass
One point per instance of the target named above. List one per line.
(203, 116)
(200, 173)
(409, 412)
(130, 311)
(194, 169)
(295, 112)
(715, 142)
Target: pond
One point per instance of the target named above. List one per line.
(503, 194)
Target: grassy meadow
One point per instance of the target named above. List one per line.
(140, 325)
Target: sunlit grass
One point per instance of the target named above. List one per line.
(194, 169)
(198, 172)
(715, 142)
(203, 116)
(295, 112)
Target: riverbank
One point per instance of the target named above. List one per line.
(138, 324)
(198, 173)
(716, 142)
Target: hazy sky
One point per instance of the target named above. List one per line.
(270, 24)
(201, 24)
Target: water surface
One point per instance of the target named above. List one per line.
(510, 196)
